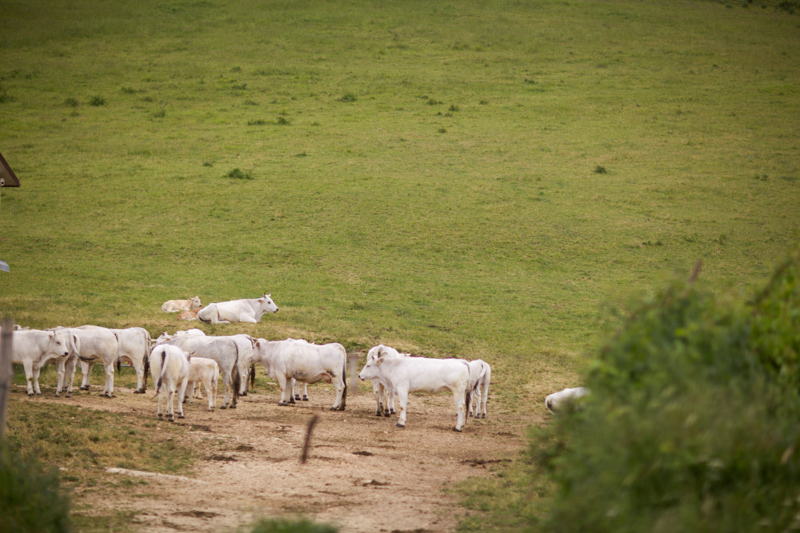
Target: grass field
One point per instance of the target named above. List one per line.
(476, 179)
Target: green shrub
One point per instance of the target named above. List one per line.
(29, 497)
(692, 423)
(292, 526)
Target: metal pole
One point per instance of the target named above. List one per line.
(6, 372)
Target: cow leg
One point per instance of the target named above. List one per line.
(305, 392)
(212, 396)
(286, 385)
(60, 364)
(160, 395)
(139, 367)
(388, 402)
(227, 387)
(209, 394)
(182, 396)
(484, 398)
(341, 393)
(36, 388)
(402, 397)
(377, 390)
(170, 402)
(108, 390)
(86, 371)
(459, 398)
(69, 370)
(27, 366)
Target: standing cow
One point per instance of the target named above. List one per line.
(293, 360)
(33, 349)
(419, 374)
(480, 376)
(96, 345)
(223, 350)
(384, 398)
(170, 368)
(238, 310)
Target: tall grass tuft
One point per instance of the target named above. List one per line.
(692, 420)
(30, 498)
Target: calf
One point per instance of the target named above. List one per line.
(33, 349)
(418, 374)
(384, 398)
(205, 371)
(480, 375)
(558, 401)
(223, 350)
(170, 368)
(247, 310)
(189, 315)
(293, 360)
(173, 306)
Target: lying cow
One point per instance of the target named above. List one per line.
(205, 371)
(558, 401)
(170, 368)
(189, 315)
(173, 306)
(384, 398)
(223, 350)
(238, 310)
(293, 360)
(33, 349)
(418, 374)
(480, 375)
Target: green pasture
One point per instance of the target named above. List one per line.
(473, 178)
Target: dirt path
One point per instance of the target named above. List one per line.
(363, 474)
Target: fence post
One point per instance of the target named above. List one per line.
(6, 344)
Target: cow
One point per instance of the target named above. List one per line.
(384, 398)
(134, 347)
(189, 315)
(170, 368)
(480, 376)
(95, 345)
(419, 374)
(33, 349)
(223, 350)
(238, 310)
(173, 306)
(558, 401)
(293, 360)
(205, 371)
(65, 366)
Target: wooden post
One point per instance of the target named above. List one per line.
(6, 373)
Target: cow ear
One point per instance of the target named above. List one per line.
(380, 361)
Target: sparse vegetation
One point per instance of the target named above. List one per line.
(239, 174)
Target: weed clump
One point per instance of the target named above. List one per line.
(70, 102)
(238, 174)
(348, 97)
(600, 170)
(97, 101)
(691, 424)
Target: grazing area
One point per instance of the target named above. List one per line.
(478, 180)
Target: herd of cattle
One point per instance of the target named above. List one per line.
(179, 363)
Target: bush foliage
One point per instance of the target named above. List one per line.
(30, 500)
(693, 420)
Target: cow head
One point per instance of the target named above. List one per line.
(58, 346)
(371, 370)
(195, 302)
(267, 305)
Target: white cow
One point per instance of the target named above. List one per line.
(173, 306)
(96, 345)
(557, 401)
(134, 347)
(480, 375)
(293, 360)
(248, 310)
(65, 366)
(33, 349)
(223, 350)
(384, 398)
(419, 374)
(205, 371)
(170, 368)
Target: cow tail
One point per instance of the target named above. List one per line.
(146, 361)
(469, 390)
(252, 374)
(119, 363)
(344, 377)
(163, 369)
(236, 377)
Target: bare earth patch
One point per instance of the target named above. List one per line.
(363, 474)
